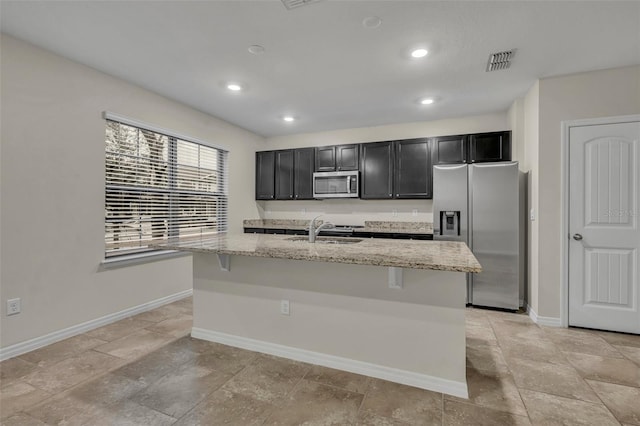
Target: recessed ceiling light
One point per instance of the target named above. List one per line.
(371, 22)
(234, 87)
(288, 118)
(427, 101)
(419, 53)
(256, 49)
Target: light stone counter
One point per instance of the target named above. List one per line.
(385, 227)
(434, 255)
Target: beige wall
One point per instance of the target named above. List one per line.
(355, 212)
(546, 105)
(531, 109)
(515, 115)
(52, 185)
(604, 93)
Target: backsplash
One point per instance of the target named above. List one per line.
(393, 226)
(349, 212)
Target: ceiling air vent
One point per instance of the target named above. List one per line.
(292, 4)
(500, 60)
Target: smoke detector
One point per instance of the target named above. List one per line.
(292, 4)
(500, 60)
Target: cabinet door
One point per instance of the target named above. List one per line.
(486, 147)
(265, 175)
(449, 149)
(303, 166)
(284, 175)
(347, 157)
(326, 159)
(412, 169)
(377, 170)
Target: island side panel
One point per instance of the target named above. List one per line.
(344, 311)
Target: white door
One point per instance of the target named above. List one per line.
(604, 232)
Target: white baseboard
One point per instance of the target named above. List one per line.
(404, 377)
(56, 336)
(546, 321)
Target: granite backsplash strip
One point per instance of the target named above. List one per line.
(398, 227)
(369, 226)
(277, 223)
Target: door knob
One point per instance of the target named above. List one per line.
(577, 237)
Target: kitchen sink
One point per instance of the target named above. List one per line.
(327, 240)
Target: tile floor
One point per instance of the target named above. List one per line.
(145, 370)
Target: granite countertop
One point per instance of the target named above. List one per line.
(437, 255)
(369, 226)
(277, 223)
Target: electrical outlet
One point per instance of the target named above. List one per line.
(394, 212)
(532, 215)
(414, 212)
(284, 307)
(13, 306)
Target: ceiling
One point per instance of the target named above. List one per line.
(321, 64)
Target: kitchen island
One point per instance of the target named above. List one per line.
(391, 309)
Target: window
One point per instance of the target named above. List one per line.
(158, 186)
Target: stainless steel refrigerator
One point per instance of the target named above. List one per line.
(481, 204)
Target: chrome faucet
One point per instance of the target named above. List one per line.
(313, 231)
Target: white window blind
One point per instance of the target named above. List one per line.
(160, 186)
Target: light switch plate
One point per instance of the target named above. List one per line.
(532, 215)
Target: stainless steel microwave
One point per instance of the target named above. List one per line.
(336, 184)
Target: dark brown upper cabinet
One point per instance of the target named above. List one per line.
(412, 169)
(265, 175)
(476, 148)
(284, 175)
(391, 169)
(376, 170)
(449, 149)
(487, 147)
(303, 166)
(347, 157)
(337, 158)
(326, 159)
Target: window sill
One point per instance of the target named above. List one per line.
(139, 259)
